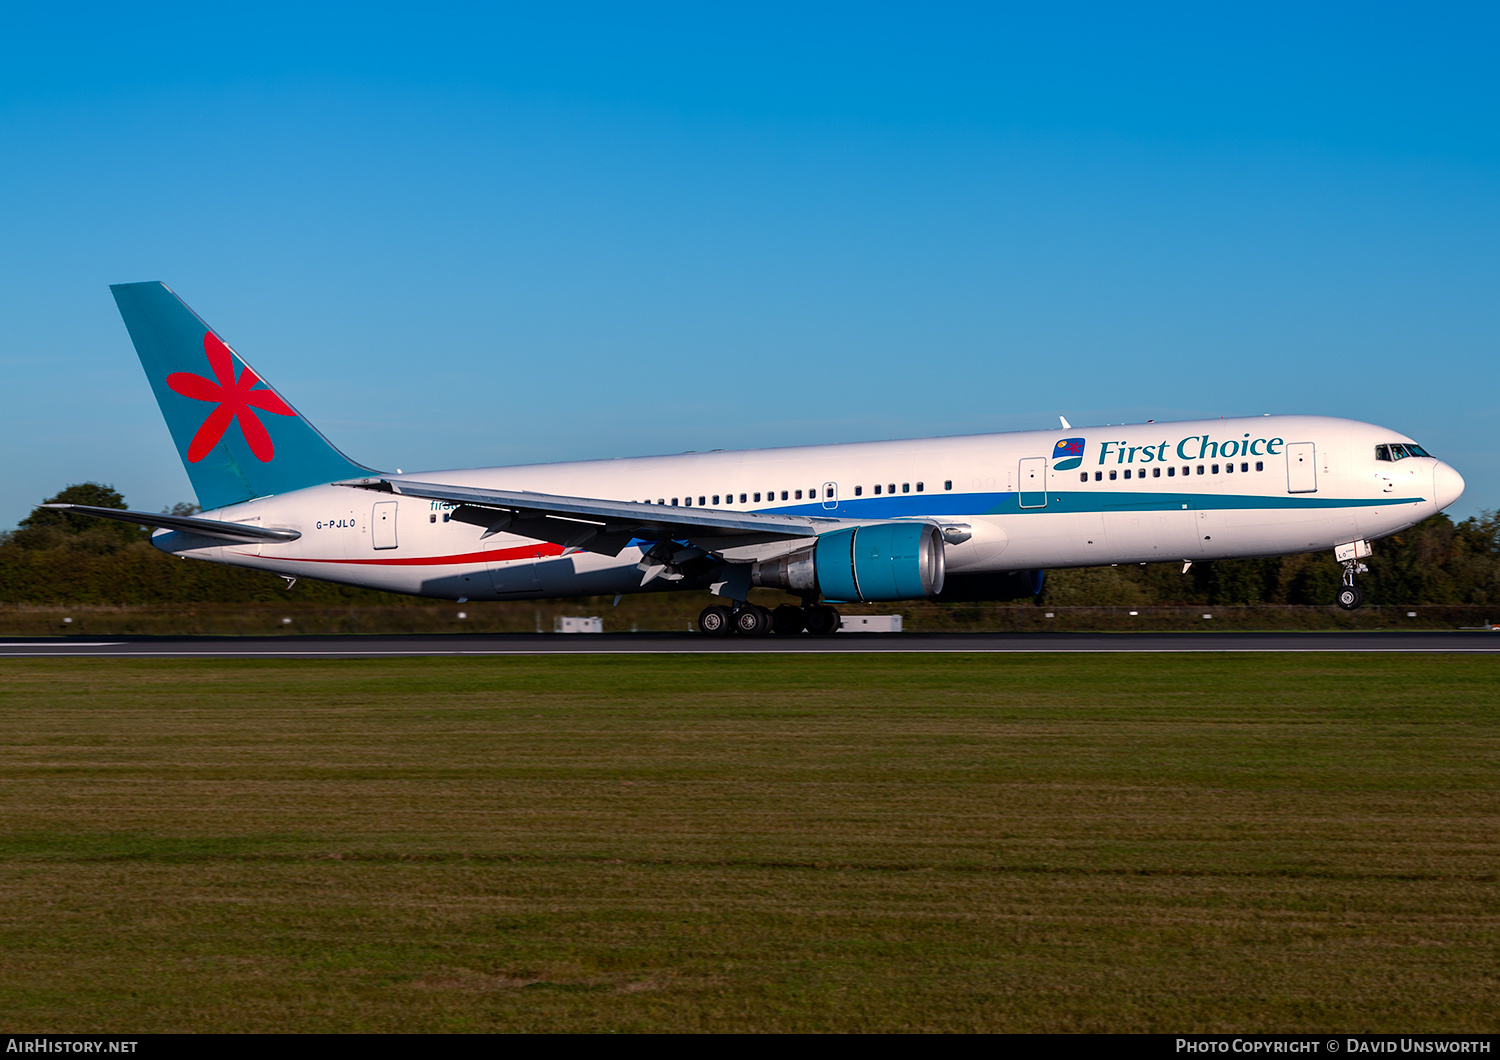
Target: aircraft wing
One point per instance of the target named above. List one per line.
(240, 533)
(601, 525)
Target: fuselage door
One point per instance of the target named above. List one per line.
(830, 494)
(383, 525)
(513, 569)
(1032, 484)
(1301, 467)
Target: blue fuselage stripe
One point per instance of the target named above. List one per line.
(917, 505)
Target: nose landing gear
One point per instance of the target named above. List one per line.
(1349, 556)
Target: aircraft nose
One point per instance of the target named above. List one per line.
(1447, 485)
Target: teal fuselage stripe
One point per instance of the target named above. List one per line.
(1121, 501)
(1074, 502)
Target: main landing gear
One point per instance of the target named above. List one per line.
(752, 620)
(1349, 597)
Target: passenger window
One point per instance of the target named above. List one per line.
(1260, 465)
(1200, 469)
(783, 495)
(716, 500)
(1216, 469)
(674, 502)
(891, 488)
(830, 491)
(757, 498)
(948, 484)
(1113, 475)
(662, 500)
(877, 488)
(906, 487)
(1171, 471)
(859, 491)
(446, 517)
(1156, 472)
(1098, 476)
(1083, 476)
(1228, 468)
(701, 501)
(799, 495)
(919, 487)
(1127, 472)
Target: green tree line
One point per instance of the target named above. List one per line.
(55, 557)
(58, 557)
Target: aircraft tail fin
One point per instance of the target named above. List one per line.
(238, 438)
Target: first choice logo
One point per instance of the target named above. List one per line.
(1193, 447)
(233, 399)
(1067, 454)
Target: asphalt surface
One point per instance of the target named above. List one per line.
(335, 647)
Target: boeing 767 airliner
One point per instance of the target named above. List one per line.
(943, 518)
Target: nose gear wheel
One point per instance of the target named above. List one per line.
(1349, 596)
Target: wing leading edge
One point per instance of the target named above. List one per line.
(599, 525)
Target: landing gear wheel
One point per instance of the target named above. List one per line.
(714, 621)
(1349, 596)
(788, 620)
(821, 621)
(752, 621)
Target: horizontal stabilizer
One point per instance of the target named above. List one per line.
(239, 533)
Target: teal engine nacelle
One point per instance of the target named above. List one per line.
(885, 561)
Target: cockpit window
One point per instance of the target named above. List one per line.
(1399, 451)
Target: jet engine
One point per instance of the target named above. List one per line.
(884, 561)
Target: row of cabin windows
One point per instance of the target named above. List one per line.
(859, 491)
(1209, 469)
(786, 495)
(745, 498)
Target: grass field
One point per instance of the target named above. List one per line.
(1006, 843)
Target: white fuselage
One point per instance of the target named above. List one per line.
(1139, 493)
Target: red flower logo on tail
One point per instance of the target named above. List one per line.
(234, 398)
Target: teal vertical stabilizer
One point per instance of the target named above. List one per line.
(238, 438)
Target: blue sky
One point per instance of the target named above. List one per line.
(476, 235)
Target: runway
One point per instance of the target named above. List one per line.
(346, 647)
